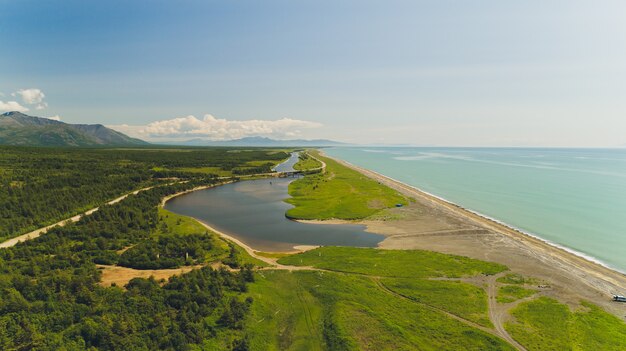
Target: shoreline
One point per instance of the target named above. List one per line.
(251, 251)
(202, 187)
(457, 209)
(495, 221)
(577, 275)
(460, 208)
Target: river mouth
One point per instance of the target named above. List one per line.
(253, 211)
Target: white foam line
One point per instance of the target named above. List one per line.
(532, 235)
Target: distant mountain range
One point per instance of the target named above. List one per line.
(19, 129)
(255, 141)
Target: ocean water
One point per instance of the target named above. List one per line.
(575, 198)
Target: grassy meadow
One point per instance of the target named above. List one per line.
(369, 299)
(459, 298)
(546, 324)
(339, 193)
(392, 263)
(306, 162)
(308, 310)
(511, 293)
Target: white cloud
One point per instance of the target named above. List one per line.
(41, 106)
(54, 118)
(12, 106)
(31, 96)
(217, 129)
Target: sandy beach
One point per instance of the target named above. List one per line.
(432, 223)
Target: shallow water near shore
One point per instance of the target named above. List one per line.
(254, 212)
(575, 198)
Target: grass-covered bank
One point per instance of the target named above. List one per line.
(339, 193)
(306, 162)
(392, 263)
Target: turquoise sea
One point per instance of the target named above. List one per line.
(575, 198)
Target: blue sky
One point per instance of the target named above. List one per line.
(459, 73)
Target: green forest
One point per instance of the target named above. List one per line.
(51, 298)
(40, 186)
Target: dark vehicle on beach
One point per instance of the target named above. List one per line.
(619, 298)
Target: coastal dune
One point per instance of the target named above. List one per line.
(431, 223)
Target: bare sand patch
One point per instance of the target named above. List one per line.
(122, 275)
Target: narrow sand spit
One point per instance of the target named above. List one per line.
(431, 223)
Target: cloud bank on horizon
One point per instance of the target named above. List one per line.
(33, 97)
(210, 127)
(428, 73)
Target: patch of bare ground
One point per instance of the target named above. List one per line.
(378, 204)
(120, 276)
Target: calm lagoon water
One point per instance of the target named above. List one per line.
(254, 212)
(575, 198)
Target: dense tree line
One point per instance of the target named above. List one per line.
(265, 168)
(50, 298)
(168, 251)
(40, 186)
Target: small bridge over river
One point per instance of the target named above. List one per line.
(289, 174)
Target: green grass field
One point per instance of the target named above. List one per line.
(306, 162)
(308, 310)
(546, 324)
(462, 299)
(340, 193)
(392, 263)
(510, 293)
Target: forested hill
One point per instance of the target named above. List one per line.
(19, 129)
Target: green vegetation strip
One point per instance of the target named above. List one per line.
(392, 263)
(462, 299)
(340, 193)
(515, 278)
(510, 293)
(306, 162)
